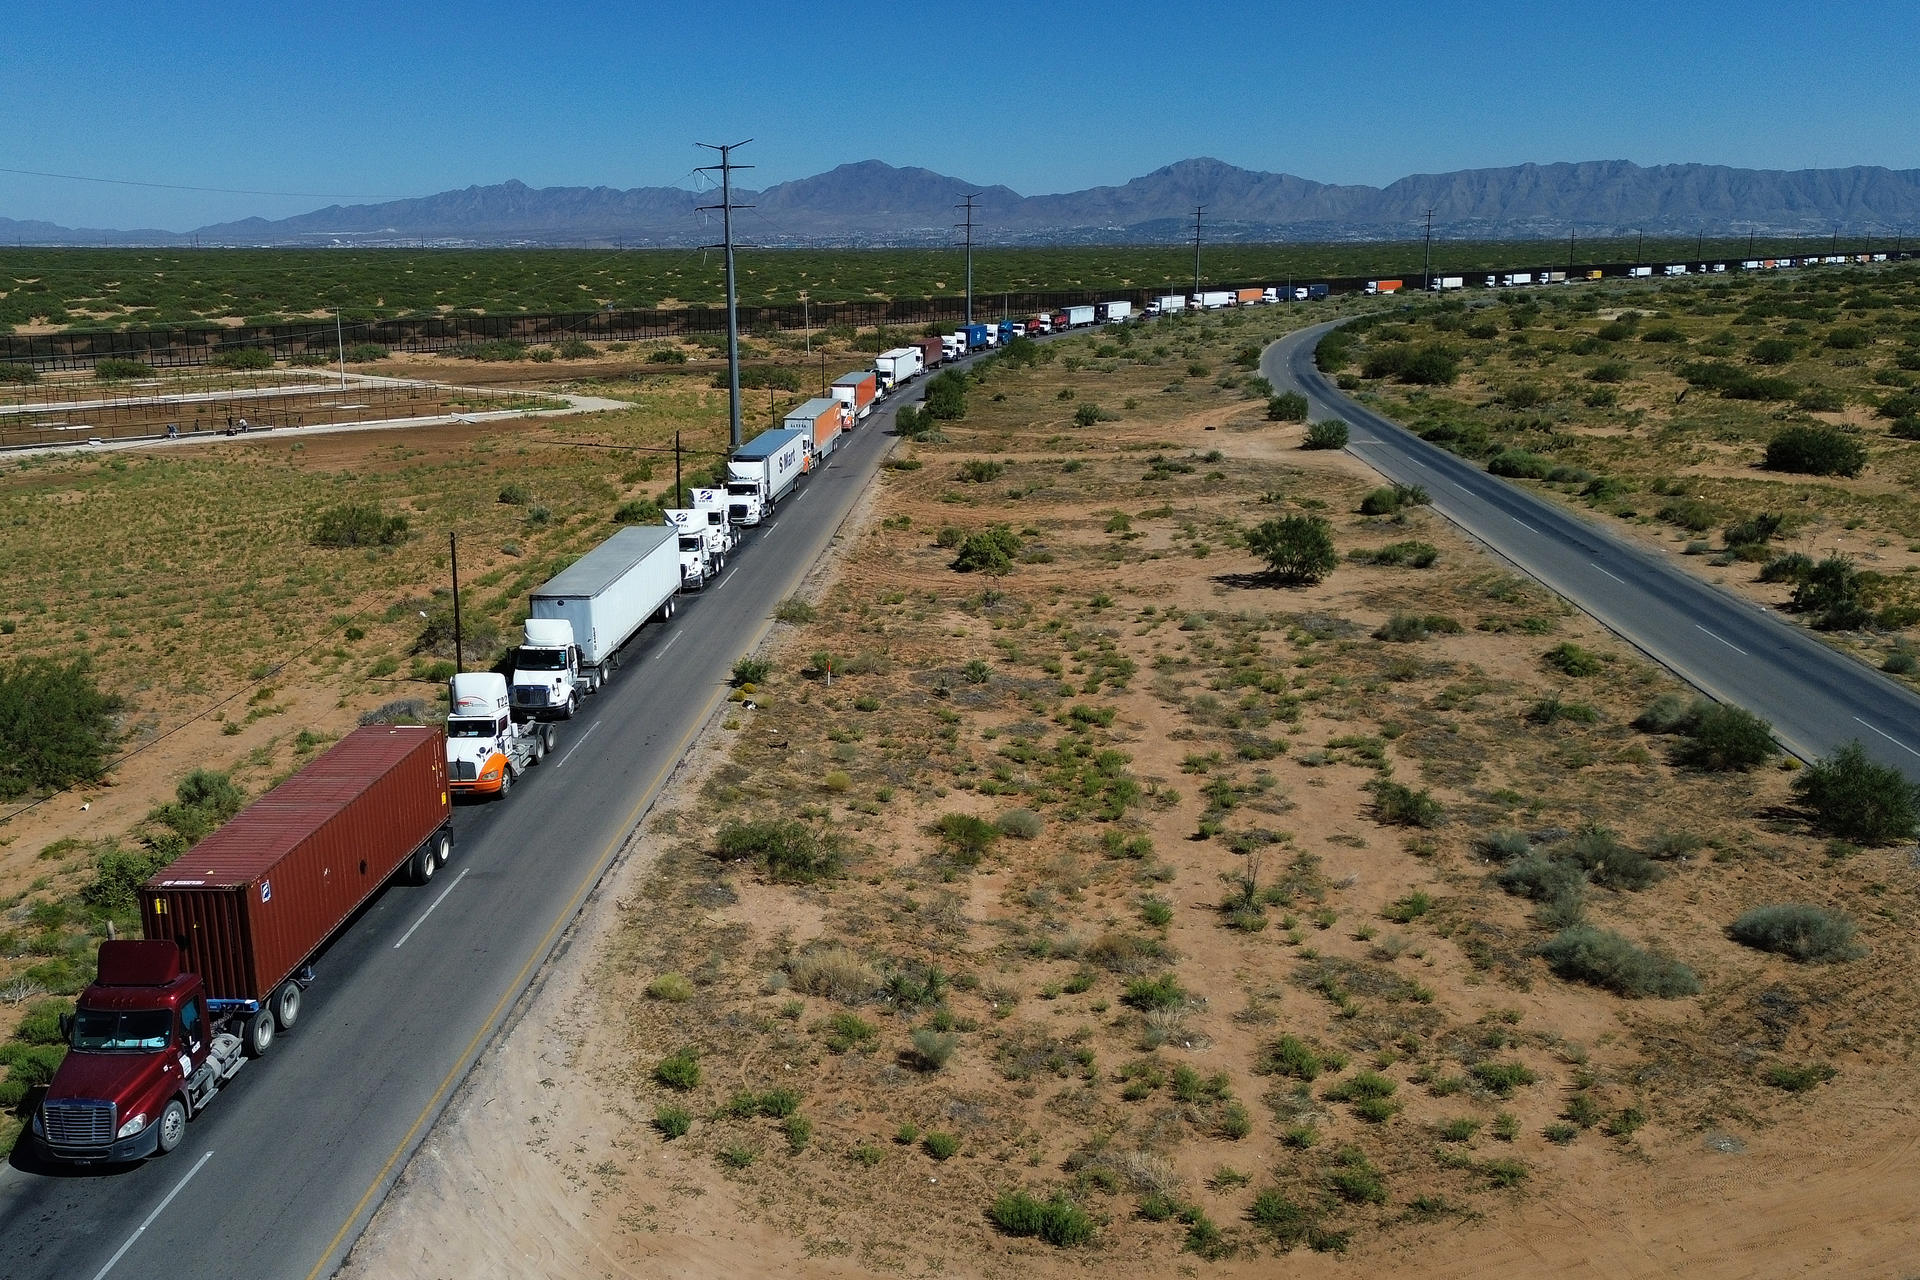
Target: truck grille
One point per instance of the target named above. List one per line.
(80, 1123)
(463, 770)
(529, 695)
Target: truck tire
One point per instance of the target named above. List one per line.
(257, 1034)
(173, 1125)
(537, 750)
(286, 1004)
(424, 864)
(443, 848)
(506, 781)
(547, 739)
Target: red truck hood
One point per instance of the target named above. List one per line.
(105, 1077)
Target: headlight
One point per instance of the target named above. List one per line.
(40, 1121)
(133, 1126)
(492, 773)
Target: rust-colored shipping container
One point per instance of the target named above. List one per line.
(930, 351)
(1247, 297)
(250, 904)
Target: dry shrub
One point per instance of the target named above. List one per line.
(835, 972)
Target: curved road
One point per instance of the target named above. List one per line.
(1736, 651)
(281, 1173)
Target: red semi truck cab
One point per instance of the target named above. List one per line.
(232, 927)
(143, 1055)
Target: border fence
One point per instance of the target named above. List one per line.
(188, 346)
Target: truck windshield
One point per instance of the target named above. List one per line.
(469, 728)
(743, 490)
(689, 543)
(540, 659)
(121, 1031)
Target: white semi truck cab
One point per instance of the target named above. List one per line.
(703, 547)
(547, 679)
(487, 749)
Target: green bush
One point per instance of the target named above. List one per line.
(1773, 351)
(1290, 1056)
(1798, 1077)
(946, 397)
(1430, 366)
(788, 850)
(1056, 1220)
(1571, 660)
(980, 471)
(56, 727)
(1087, 415)
(666, 355)
(1163, 992)
(672, 1122)
(967, 839)
(1298, 550)
(119, 370)
(1723, 738)
(241, 358)
(1599, 853)
(1519, 464)
(1400, 805)
(575, 349)
(1816, 451)
(750, 671)
(18, 373)
(1798, 931)
(1602, 958)
(1328, 433)
(1288, 406)
(934, 1049)
(1415, 555)
(989, 551)
(637, 511)
(679, 1070)
(366, 353)
(1851, 796)
(1833, 592)
(357, 525)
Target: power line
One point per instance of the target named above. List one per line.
(968, 224)
(726, 207)
(218, 191)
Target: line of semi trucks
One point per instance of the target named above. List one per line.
(230, 930)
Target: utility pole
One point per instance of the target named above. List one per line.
(453, 555)
(1426, 262)
(1640, 249)
(1198, 210)
(806, 320)
(967, 204)
(1570, 255)
(726, 207)
(676, 468)
(339, 338)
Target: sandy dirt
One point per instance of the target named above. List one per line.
(546, 1165)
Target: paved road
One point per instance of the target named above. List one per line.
(1739, 652)
(280, 1175)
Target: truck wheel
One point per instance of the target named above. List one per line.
(173, 1125)
(423, 864)
(547, 739)
(535, 751)
(286, 1005)
(506, 781)
(258, 1033)
(443, 848)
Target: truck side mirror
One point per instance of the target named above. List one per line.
(66, 1027)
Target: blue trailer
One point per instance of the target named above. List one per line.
(976, 335)
(1316, 292)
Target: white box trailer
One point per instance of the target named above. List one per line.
(1114, 312)
(609, 593)
(896, 367)
(1078, 316)
(760, 473)
(1167, 305)
(1638, 272)
(1213, 300)
(1447, 282)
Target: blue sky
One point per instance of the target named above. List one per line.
(367, 101)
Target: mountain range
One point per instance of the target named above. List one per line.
(872, 203)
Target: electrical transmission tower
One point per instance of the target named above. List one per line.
(968, 226)
(1197, 211)
(726, 208)
(1427, 265)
